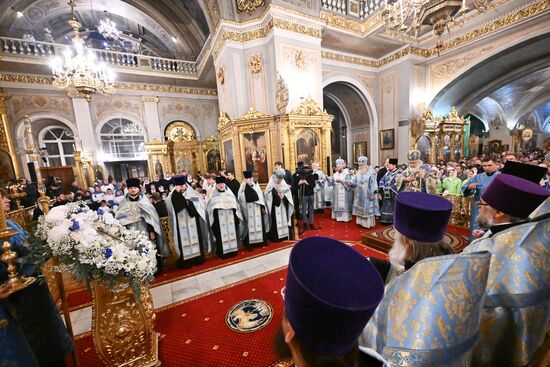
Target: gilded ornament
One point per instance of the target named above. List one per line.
(281, 96)
(154, 99)
(527, 134)
(221, 76)
(252, 114)
(255, 64)
(245, 36)
(223, 120)
(180, 131)
(249, 6)
(309, 108)
(36, 79)
(300, 60)
(123, 327)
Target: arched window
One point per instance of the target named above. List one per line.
(59, 143)
(122, 139)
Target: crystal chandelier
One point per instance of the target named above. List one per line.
(108, 28)
(79, 70)
(408, 16)
(132, 129)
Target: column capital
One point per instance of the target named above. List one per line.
(77, 95)
(154, 99)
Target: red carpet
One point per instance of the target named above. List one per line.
(194, 331)
(344, 231)
(82, 298)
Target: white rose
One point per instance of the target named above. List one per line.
(57, 214)
(57, 233)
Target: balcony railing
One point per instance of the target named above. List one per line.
(121, 60)
(359, 9)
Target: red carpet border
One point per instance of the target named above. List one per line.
(82, 298)
(194, 331)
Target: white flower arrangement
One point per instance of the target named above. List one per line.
(94, 246)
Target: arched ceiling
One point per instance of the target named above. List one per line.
(503, 88)
(149, 23)
(351, 101)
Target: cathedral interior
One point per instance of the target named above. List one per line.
(97, 92)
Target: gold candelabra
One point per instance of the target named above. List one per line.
(16, 194)
(15, 281)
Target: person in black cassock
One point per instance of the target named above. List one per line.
(188, 221)
(232, 183)
(252, 203)
(225, 219)
(280, 207)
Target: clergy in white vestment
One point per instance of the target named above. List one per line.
(280, 207)
(252, 203)
(365, 200)
(342, 192)
(319, 190)
(188, 223)
(225, 219)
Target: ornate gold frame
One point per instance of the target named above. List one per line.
(269, 151)
(282, 132)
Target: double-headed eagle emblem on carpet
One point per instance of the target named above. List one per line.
(249, 315)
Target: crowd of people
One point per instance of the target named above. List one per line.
(487, 306)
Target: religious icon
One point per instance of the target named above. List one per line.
(228, 155)
(387, 139)
(494, 146)
(359, 149)
(214, 160)
(7, 171)
(306, 146)
(255, 154)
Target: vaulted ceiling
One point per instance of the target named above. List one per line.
(149, 23)
(510, 87)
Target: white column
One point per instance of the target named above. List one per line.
(152, 120)
(84, 125)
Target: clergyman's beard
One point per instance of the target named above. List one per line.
(484, 222)
(397, 253)
(280, 347)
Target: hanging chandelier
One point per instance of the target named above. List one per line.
(408, 16)
(132, 129)
(79, 70)
(108, 28)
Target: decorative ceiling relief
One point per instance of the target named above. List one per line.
(176, 108)
(249, 6)
(299, 59)
(443, 72)
(123, 105)
(369, 82)
(26, 105)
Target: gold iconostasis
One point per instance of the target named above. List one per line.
(253, 141)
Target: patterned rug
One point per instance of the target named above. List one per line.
(200, 331)
(381, 238)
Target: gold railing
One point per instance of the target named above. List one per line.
(23, 216)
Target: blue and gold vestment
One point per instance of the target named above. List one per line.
(429, 315)
(516, 315)
(31, 330)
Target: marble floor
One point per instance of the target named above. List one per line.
(179, 290)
